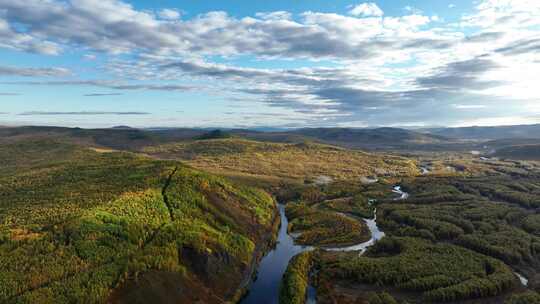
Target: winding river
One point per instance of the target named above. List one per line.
(265, 288)
(522, 279)
(403, 195)
(376, 234)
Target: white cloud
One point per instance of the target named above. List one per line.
(408, 67)
(169, 14)
(279, 15)
(116, 27)
(50, 113)
(504, 14)
(13, 40)
(34, 72)
(468, 106)
(413, 10)
(368, 9)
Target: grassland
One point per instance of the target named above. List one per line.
(303, 161)
(87, 227)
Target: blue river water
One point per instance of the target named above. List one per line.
(265, 289)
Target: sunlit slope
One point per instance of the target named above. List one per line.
(82, 225)
(304, 160)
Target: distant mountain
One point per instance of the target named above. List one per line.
(215, 134)
(121, 137)
(378, 135)
(506, 142)
(522, 152)
(133, 139)
(488, 133)
(371, 139)
(123, 128)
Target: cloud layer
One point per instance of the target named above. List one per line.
(37, 113)
(116, 27)
(34, 72)
(363, 68)
(102, 94)
(368, 9)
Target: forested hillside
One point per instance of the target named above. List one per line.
(78, 226)
(159, 221)
(454, 239)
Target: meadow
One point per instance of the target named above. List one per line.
(299, 161)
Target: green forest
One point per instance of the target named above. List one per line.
(85, 226)
(80, 223)
(453, 239)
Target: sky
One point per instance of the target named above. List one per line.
(281, 63)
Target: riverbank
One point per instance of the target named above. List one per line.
(260, 252)
(266, 287)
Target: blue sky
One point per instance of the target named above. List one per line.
(100, 63)
(248, 8)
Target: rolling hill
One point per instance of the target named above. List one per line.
(146, 216)
(488, 133)
(519, 152)
(378, 135)
(369, 139)
(123, 138)
(80, 226)
(134, 139)
(303, 161)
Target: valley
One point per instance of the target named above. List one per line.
(132, 216)
(269, 152)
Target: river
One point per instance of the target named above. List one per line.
(376, 234)
(522, 279)
(265, 288)
(403, 195)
